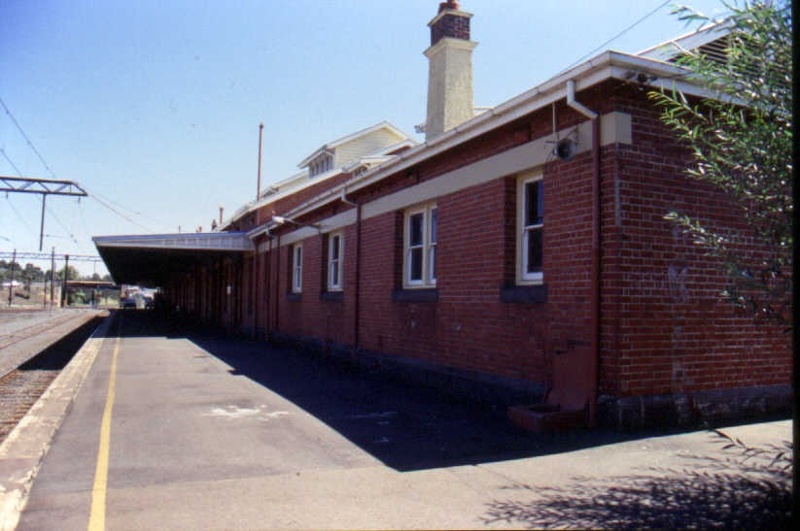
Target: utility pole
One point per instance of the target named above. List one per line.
(258, 188)
(44, 187)
(64, 284)
(52, 276)
(11, 283)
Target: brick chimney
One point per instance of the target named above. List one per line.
(449, 70)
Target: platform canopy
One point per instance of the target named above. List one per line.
(153, 260)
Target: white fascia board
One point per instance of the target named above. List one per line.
(689, 41)
(511, 110)
(264, 228)
(255, 205)
(203, 241)
(370, 160)
(607, 65)
(378, 157)
(407, 142)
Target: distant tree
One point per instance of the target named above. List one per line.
(31, 274)
(741, 141)
(5, 268)
(72, 274)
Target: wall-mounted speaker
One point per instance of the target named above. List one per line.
(565, 149)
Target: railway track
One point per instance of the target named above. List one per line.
(17, 334)
(22, 386)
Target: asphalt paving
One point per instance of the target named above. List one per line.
(198, 431)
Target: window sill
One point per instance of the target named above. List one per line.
(331, 296)
(294, 297)
(524, 294)
(415, 295)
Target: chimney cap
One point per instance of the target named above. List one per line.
(450, 4)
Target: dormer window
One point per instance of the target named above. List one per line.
(321, 164)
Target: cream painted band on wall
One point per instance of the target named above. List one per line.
(615, 128)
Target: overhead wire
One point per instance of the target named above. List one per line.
(120, 214)
(11, 162)
(20, 216)
(108, 202)
(68, 231)
(102, 201)
(621, 33)
(27, 138)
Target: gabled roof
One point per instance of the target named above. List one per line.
(607, 65)
(330, 146)
(131, 256)
(653, 65)
(301, 180)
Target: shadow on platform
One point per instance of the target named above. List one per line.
(405, 425)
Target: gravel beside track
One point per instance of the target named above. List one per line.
(23, 334)
(21, 342)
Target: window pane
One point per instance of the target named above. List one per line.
(334, 275)
(434, 225)
(534, 203)
(415, 229)
(334, 247)
(432, 258)
(298, 267)
(534, 249)
(415, 264)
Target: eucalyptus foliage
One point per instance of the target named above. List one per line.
(741, 141)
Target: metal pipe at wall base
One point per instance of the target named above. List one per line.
(594, 268)
(357, 294)
(357, 288)
(277, 284)
(595, 271)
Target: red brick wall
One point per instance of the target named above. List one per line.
(665, 327)
(309, 315)
(469, 327)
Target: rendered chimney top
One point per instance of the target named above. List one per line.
(450, 4)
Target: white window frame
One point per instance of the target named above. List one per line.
(297, 268)
(523, 275)
(426, 247)
(335, 261)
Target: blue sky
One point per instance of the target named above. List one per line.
(153, 106)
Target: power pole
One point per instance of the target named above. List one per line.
(258, 186)
(11, 283)
(64, 299)
(52, 276)
(43, 187)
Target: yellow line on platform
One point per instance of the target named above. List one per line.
(97, 518)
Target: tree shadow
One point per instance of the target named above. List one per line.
(740, 488)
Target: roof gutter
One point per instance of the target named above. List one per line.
(606, 65)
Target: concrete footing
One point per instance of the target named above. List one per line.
(698, 408)
(684, 410)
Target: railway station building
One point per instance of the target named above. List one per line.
(518, 254)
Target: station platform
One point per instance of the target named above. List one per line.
(154, 426)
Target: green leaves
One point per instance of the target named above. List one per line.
(741, 143)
